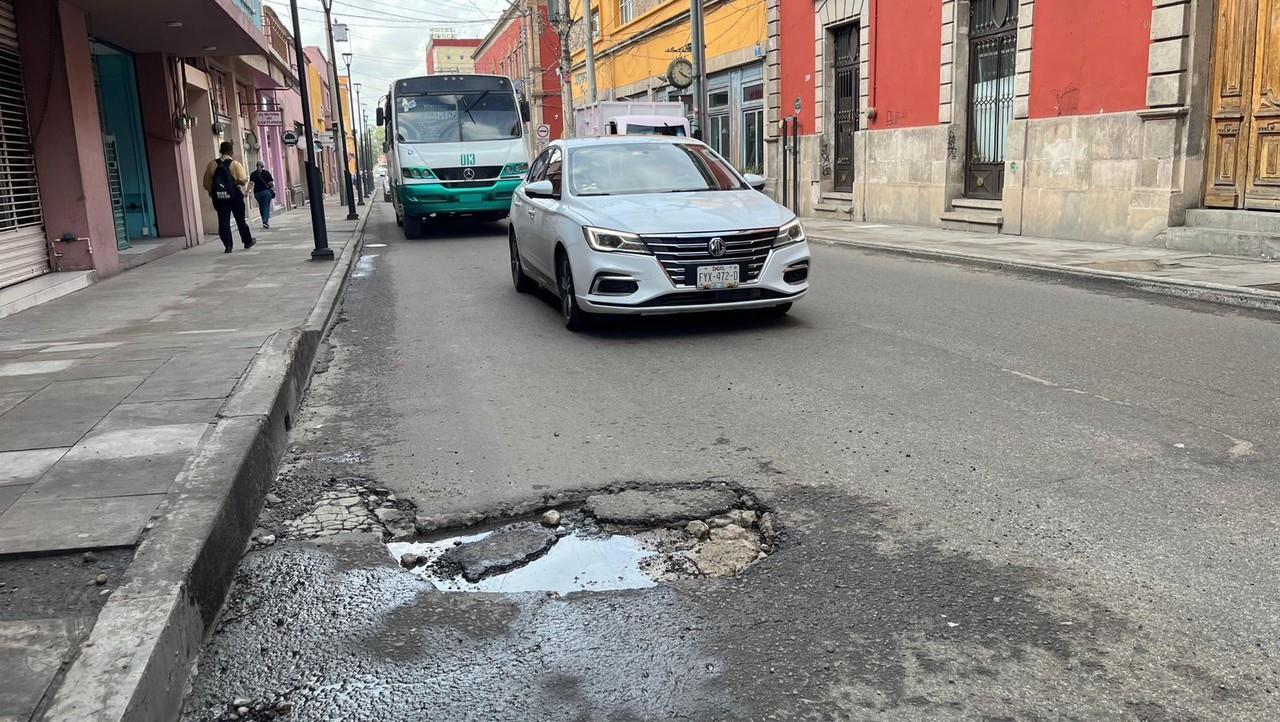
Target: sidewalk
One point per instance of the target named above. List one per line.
(109, 400)
(1251, 283)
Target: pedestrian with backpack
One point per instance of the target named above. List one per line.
(224, 180)
(264, 191)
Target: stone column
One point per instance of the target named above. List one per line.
(177, 211)
(66, 130)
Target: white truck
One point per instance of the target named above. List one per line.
(630, 118)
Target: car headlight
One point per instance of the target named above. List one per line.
(789, 234)
(514, 170)
(614, 241)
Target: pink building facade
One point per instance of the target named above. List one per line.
(125, 103)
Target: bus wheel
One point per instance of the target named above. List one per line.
(412, 228)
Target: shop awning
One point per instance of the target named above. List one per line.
(191, 28)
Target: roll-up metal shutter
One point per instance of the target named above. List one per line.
(23, 251)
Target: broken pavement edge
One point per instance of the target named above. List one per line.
(135, 662)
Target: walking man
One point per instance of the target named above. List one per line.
(264, 191)
(224, 180)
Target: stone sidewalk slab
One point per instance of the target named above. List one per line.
(106, 393)
(31, 652)
(1247, 282)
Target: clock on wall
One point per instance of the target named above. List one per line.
(680, 73)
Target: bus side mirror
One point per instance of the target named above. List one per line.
(382, 118)
(386, 147)
(524, 110)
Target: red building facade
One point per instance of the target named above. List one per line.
(1082, 119)
(527, 50)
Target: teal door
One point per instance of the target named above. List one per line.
(125, 144)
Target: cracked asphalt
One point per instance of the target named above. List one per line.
(999, 497)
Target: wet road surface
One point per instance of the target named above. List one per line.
(997, 497)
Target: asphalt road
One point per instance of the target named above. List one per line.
(1001, 497)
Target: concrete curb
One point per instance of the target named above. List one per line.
(134, 664)
(1194, 290)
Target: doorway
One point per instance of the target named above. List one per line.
(993, 50)
(124, 143)
(845, 117)
(1243, 163)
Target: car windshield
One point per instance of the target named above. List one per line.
(454, 117)
(633, 168)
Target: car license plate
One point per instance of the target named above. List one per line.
(712, 277)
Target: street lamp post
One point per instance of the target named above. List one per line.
(340, 132)
(355, 132)
(365, 170)
(319, 232)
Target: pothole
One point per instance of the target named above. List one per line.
(624, 540)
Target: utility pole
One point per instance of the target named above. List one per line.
(699, 46)
(319, 232)
(339, 132)
(564, 24)
(590, 44)
(355, 122)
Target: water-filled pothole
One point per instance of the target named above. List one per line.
(575, 562)
(625, 540)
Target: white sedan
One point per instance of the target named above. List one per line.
(652, 225)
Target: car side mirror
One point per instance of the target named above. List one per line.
(758, 182)
(540, 189)
(382, 117)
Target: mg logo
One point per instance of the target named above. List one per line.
(716, 247)
(468, 159)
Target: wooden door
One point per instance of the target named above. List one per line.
(1244, 126)
(1262, 189)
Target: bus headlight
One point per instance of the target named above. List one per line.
(418, 173)
(515, 170)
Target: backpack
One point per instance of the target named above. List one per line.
(223, 187)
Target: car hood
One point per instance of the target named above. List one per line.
(704, 212)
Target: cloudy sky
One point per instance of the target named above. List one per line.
(389, 37)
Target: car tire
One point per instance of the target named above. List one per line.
(522, 282)
(575, 319)
(399, 219)
(412, 228)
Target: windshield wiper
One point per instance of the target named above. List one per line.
(690, 190)
(473, 104)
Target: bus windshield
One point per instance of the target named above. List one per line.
(454, 117)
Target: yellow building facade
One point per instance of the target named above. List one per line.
(635, 42)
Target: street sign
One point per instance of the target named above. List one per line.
(544, 131)
(290, 138)
(270, 117)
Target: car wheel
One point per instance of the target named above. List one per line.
(575, 319)
(523, 283)
(412, 228)
(399, 219)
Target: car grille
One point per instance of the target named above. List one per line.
(681, 255)
(455, 174)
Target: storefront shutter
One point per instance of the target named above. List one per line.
(23, 252)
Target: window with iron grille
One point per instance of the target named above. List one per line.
(626, 11)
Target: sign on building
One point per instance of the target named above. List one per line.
(270, 117)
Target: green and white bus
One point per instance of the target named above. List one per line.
(456, 146)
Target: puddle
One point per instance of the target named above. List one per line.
(616, 540)
(576, 562)
(364, 266)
